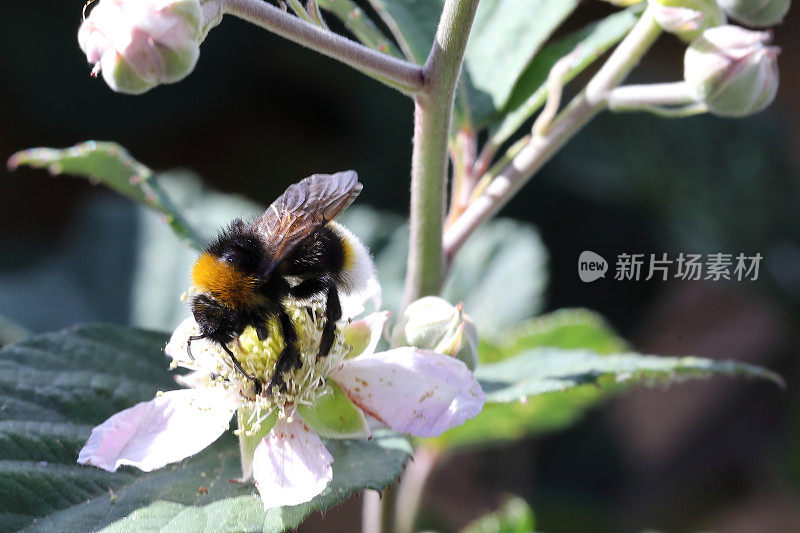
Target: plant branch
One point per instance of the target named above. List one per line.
(540, 148)
(394, 72)
(371, 512)
(633, 97)
(412, 487)
(433, 109)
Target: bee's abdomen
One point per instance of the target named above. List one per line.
(357, 268)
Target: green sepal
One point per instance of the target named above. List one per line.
(334, 416)
(249, 439)
(358, 338)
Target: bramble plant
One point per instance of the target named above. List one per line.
(479, 74)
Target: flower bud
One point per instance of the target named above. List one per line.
(432, 323)
(686, 18)
(756, 13)
(138, 44)
(732, 71)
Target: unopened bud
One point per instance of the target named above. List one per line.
(432, 323)
(138, 44)
(732, 70)
(686, 18)
(756, 13)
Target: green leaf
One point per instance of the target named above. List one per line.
(505, 36)
(543, 383)
(112, 165)
(530, 92)
(565, 328)
(55, 387)
(515, 516)
(412, 23)
(543, 370)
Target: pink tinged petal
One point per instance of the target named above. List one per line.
(169, 428)
(363, 335)
(413, 391)
(291, 465)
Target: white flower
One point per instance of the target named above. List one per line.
(138, 44)
(414, 391)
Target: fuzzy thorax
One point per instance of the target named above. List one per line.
(224, 282)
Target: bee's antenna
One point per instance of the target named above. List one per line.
(189, 344)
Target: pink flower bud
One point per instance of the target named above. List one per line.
(686, 18)
(732, 70)
(138, 44)
(756, 13)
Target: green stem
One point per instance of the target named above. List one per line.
(412, 487)
(632, 96)
(433, 108)
(372, 516)
(397, 73)
(540, 148)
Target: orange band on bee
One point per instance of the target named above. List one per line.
(228, 285)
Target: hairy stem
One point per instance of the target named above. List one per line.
(540, 148)
(402, 75)
(433, 109)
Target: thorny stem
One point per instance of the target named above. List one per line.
(392, 71)
(541, 148)
(433, 109)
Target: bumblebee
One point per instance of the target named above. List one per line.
(293, 252)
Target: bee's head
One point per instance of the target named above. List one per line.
(216, 321)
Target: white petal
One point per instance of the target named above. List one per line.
(291, 465)
(206, 355)
(414, 391)
(169, 428)
(366, 332)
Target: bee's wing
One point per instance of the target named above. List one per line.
(303, 208)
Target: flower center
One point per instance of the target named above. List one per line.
(304, 385)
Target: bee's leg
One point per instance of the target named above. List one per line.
(290, 356)
(333, 308)
(238, 365)
(333, 312)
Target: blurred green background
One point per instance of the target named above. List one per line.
(259, 113)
